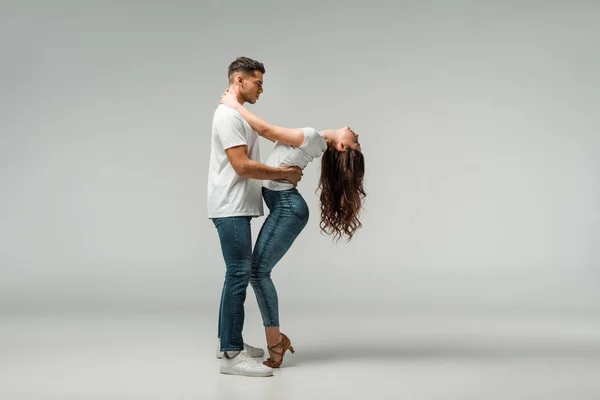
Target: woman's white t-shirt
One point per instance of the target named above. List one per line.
(283, 155)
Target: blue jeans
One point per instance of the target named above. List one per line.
(236, 245)
(288, 216)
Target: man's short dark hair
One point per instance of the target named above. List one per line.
(246, 66)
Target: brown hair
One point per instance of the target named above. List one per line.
(245, 65)
(342, 192)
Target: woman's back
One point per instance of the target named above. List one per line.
(284, 155)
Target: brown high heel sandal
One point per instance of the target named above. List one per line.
(284, 344)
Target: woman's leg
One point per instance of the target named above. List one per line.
(288, 216)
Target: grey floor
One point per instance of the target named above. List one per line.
(340, 354)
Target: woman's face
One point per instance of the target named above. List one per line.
(347, 138)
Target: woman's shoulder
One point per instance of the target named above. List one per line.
(309, 131)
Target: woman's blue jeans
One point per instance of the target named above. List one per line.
(287, 217)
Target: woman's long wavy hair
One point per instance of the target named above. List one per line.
(342, 193)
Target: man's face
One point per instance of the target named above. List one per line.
(251, 87)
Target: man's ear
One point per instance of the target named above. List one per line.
(239, 79)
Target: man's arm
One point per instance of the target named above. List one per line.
(247, 168)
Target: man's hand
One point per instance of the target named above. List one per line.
(293, 174)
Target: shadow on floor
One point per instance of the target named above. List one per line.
(457, 351)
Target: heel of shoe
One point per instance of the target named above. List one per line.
(284, 344)
(287, 343)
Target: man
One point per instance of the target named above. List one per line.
(234, 197)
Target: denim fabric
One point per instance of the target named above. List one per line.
(236, 244)
(288, 216)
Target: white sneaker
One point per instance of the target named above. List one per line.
(252, 351)
(243, 364)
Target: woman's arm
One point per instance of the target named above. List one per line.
(289, 136)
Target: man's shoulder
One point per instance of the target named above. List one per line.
(226, 113)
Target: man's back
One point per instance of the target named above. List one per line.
(228, 194)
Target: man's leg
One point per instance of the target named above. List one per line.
(236, 245)
(220, 311)
(219, 352)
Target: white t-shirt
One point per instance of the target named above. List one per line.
(282, 155)
(228, 194)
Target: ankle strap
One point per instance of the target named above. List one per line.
(272, 348)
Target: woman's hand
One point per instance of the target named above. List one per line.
(229, 99)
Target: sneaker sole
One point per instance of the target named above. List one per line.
(220, 355)
(230, 371)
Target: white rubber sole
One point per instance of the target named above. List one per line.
(232, 371)
(220, 355)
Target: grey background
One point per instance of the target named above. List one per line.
(478, 120)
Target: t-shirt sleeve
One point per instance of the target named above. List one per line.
(231, 132)
(312, 142)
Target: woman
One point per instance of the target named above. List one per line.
(342, 195)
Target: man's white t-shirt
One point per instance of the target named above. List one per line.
(228, 194)
(282, 155)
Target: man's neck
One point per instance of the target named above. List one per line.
(240, 99)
